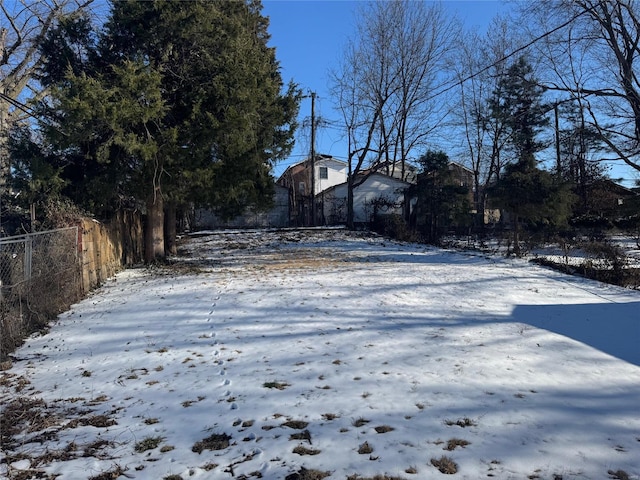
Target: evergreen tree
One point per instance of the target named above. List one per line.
(173, 102)
(440, 202)
(526, 192)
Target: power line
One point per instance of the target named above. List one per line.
(509, 55)
(19, 105)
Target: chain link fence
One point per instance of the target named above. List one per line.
(40, 276)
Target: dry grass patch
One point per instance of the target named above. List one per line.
(305, 435)
(18, 415)
(618, 475)
(304, 474)
(217, 441)
(276, 385)
(462, 422)
(384, 429)
(365, 449)
(359, 422)
(98, 421)
(115, 472)
(296, 424)
(302, 450)
(445, 465)
(93, 449)
(377, 477)
(98, 400)
(148, 443)
(453, 443)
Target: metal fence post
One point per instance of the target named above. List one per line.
(28, 257)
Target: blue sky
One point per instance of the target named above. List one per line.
(309, 36)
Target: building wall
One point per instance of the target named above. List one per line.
(375, 187)
(336, 173)
(277, 217)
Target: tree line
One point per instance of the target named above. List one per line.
(534, 106)
(161, 105)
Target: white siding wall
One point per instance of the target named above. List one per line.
(337, 174)
(376, 186)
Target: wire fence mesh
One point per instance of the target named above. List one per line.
(39, 275)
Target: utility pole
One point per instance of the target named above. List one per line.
(313, 160)
(557, 128)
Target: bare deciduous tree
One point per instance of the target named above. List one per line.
(595, 61)
(23, 25)
(385, 85)
(481, 63)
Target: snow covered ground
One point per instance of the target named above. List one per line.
(284, 355)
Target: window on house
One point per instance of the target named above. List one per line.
(324, 173)
(301, 188)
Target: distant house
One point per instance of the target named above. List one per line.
(297, 179)
(401, 170)
(276, 217)
(606, 198)
(378, 195)
(461, 175)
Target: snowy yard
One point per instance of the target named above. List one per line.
(298, 355)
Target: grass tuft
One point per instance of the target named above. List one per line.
(445, 465)
(295, 424)
(462, 422)
(359, 422)
(148, 443)
(453, 443)
(302, 450)
(304, 474)
(377, 477)
(115, 472)
(618, 474)
(365, 449)
(276, 385)
(304, 435)
(384, 429)
(217, 441)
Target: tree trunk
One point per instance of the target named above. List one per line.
(170, 229)
(350, 214)
(154, 233)
(516, 235)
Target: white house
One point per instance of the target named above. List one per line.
(378, 195)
